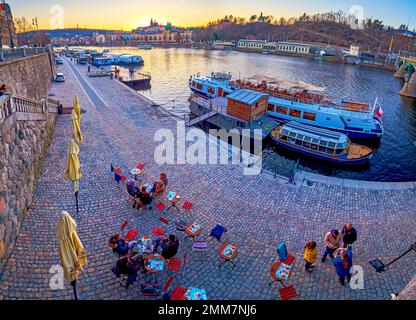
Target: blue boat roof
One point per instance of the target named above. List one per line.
(316, 132)
(246, 96)
(318, 107)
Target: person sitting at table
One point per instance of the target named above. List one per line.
(164, 178)
(119, 245)
(158, 188)
(169, 246)
(130, 266)
(145, 197)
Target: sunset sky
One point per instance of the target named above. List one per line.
(129, 14)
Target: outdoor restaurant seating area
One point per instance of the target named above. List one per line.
(143, 258)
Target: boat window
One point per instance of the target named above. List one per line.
(308, 139)
(322, 149)
(306, 144)
(199, 86)
(291, 140)
(339, 151)
(211, 90)
(331, 144)
(293, 134)
(314, 146)
(270, 107)
(283, 137)
(282, 110)
(324, 143)
(314, 140)
(294, 113)
(330, 151)
(285, 131)
(298, 142)
(300, 136)
(309, 116)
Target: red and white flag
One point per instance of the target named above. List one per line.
(379, 112)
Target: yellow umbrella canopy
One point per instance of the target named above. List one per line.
(71, 250)
(73, 170)
(76, 127)
(77, 107)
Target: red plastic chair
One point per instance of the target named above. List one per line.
(117, 171)
(158, 231)
(178, 293)
(161, 206)
(174, 264)
(131, 235)
(288, 293)
(123, 178)
(140, 166)
(187, 205)
(164, 220)
(167, 284)
(290, 258)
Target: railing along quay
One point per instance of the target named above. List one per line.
(17, 53)
(10, 104)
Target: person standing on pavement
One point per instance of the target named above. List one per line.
(349, 235)
(332, 242)
(342, 262)
(310, 255)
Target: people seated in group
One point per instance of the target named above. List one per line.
(145, 197)
(158, 188)
(164, 178)
(129, 266)
(131, 188)
(169, 246)
(119, 245)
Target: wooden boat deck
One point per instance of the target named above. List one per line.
(358, 151)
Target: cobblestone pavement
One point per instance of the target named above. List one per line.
(258, 212)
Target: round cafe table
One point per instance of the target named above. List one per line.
(273, 270)
(227, 258)
(191, 234)
(153, 256)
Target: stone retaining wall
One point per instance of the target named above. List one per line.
(29, 77)
(23, 146)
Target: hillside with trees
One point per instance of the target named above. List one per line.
(335, 28)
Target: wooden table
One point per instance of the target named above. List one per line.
(191, 234)
(275, 266)
(225, 257)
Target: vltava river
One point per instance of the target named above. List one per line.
(395, 157)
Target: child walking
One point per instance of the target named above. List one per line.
(310, 255)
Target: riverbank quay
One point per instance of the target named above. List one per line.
(119, 127)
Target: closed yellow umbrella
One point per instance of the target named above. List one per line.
(77, 107)
(76, 127)
(71, 250)
(73, 170)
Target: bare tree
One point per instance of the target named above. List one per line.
(23, 26)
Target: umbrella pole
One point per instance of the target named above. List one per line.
(74, 286)
(76, 200)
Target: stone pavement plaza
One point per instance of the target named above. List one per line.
(118, 127)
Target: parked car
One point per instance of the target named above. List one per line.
(60, 77)
(59, 61)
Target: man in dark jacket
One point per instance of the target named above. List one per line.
(349, 235)
(169, 246)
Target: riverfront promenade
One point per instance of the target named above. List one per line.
(118, 127)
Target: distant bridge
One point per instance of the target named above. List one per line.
(406, 69)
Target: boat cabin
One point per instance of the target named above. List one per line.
(247, 105)
(320, 140)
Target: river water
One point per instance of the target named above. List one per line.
(393, 160)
